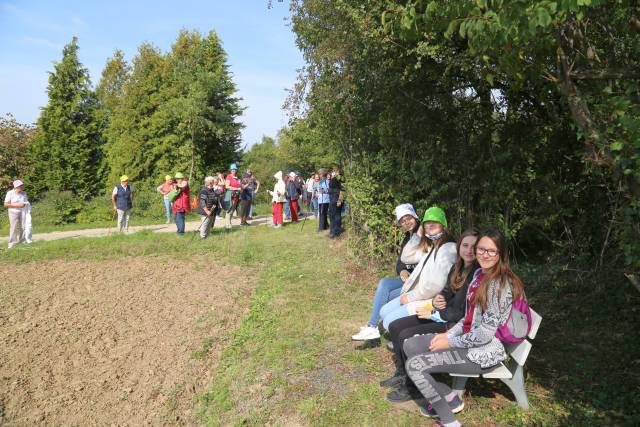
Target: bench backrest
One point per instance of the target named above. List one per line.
(520, 351)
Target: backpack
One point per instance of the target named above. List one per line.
(518, 325)
(195, 203)
(173, 195)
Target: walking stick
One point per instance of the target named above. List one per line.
(305, 217)
(113, 218)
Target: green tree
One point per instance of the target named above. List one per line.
(15, 142)
(67, 155)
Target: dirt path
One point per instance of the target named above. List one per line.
(158, 228)
(123, 342)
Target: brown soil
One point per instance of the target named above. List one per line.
(128, 342)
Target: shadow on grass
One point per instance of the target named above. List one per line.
(586, 353)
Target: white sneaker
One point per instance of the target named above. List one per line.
(366, 333)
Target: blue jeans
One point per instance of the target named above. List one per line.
(287, 210)
(179, 217)
(314, 204)
(393, 310)
(167, 206)
(388, 289)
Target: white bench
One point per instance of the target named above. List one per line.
(511, 372)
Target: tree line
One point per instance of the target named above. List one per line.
(524, 115)
(158, 114)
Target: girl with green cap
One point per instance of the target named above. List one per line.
(433, 251)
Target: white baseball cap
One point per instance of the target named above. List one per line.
(405, 209)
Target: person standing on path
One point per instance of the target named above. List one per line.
(246, 189)
(181, 204)
(208, 205)
(164, 189)
(278, 198)
(323, 200)
(293, 193)
(255, 186)
(122, 201)
(336, 198)
(232, 197)
(16, 202)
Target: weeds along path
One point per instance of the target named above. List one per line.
(126, 341)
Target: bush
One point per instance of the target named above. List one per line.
(57, 208)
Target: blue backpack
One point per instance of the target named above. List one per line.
(518, 325)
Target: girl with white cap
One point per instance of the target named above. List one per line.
(390, 287)
(16, 202)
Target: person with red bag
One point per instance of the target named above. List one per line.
(181, 204)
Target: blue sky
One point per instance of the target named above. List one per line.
(260, 45)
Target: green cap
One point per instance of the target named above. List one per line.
(435, 214)
(178, 175)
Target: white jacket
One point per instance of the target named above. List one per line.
(279, 190)
(431, 272)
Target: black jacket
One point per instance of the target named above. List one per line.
(209, 198)
(456, 302)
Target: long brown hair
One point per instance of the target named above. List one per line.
(460, 271)
(500, 271)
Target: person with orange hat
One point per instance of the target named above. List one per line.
(122, 201)
(16, 201)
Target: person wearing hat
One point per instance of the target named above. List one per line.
(16, 202)
(181, 204)
(278, 198)
(165, 189)
(293, 193)
(389, 287)
(323, 200)
(433, 251)
(122, 201)
(232, 196)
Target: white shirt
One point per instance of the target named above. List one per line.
(14, 198)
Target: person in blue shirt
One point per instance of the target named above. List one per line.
(323, 200)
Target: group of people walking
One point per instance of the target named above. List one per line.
(229, 194)
(219, 195)
(444, 311)
(322, 192)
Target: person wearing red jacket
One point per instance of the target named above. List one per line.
(181, 204)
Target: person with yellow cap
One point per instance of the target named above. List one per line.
(165, 189)
(122, 201)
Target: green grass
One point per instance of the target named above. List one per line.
(290, 359)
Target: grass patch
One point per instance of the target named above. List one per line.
(290, 360)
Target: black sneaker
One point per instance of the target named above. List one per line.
(394, 381)
(403, 394)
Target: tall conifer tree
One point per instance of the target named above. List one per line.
(67, 155)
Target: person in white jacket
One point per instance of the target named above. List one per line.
(278, 199)
(17, 204)
(434, 252)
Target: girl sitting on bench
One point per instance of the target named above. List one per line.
(471, 346)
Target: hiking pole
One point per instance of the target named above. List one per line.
(113, 218)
